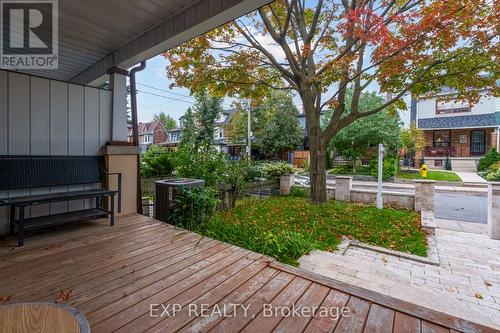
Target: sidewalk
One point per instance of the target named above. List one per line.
(403, 187)
(471, 177)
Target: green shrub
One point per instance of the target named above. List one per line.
(157, 162)
(495, 166)
(340, 170)
(252, 171)
(488, 160)
(389, 169)
(194, 206)
(276, 169)
(207, 165)
(299, 192)
(233, 179)
(493, 176)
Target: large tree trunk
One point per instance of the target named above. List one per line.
(317, 166)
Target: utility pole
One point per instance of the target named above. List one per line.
(249, 134)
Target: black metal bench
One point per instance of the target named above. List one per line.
(24, 172)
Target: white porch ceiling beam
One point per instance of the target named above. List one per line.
(201, 17)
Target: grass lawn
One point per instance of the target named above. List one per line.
(431, 175)
(288, 227)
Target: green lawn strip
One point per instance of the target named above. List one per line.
(288, 227)
(431, 175)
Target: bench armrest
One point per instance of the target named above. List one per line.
(119, 188)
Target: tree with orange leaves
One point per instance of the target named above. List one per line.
(320, 48)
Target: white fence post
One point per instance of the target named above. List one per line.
(380, 203)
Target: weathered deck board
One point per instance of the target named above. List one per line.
(116, 273)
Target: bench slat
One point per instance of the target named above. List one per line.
(55, 197)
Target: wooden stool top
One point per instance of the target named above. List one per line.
(42, 318)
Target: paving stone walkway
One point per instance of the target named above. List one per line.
(467, 279)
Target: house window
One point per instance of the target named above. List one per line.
(446, 106)
(442, 138)
(174, 137)
(146, 139)
(438, 163)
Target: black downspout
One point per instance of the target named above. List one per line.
(135, 129)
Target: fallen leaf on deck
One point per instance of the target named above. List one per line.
(487, 284)
(4, 299)
(52, 246)
(64, 296)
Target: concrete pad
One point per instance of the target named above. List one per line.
(475, 228)
(448, 224)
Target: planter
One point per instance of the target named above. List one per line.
(286, 183)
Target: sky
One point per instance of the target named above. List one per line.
(173, 102)
(154, 94)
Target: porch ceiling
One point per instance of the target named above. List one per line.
(97, 34)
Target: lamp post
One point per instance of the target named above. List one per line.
(380, 172)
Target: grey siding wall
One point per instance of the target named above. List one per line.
(46, 117)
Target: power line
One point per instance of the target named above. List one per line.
(154, 106)
(166, 91)
(163, 96)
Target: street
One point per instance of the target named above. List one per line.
(461, 207)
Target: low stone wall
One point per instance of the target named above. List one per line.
(263, 187)
(400, 199)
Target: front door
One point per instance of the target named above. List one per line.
(477, 142)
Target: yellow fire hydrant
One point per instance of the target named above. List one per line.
(423, 171)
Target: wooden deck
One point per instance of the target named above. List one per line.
(114, 274)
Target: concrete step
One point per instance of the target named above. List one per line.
(464, 165)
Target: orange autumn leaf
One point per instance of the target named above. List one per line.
(4, 299)
(64, 296)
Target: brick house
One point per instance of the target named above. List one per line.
(149, 133)
(457, 129)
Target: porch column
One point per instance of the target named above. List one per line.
(424, 195)
(343, 187)
(494, 210)
(118, 83)
(123, 159)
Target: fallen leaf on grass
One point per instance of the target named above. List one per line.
(64, 296)
(478, 295)
(4, 299)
